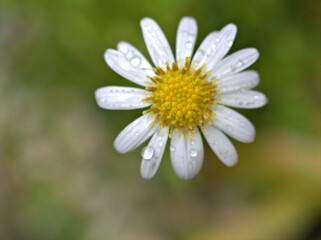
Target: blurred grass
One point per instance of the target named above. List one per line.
(60, 177)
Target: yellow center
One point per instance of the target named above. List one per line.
(181, 97)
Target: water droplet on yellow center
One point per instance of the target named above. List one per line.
(181, 97)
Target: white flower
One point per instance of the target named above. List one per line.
(184, 96)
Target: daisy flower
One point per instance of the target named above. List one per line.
(183, 97)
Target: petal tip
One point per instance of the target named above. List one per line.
(145, 21)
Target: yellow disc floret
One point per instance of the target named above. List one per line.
(181, 97)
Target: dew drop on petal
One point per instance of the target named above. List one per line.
(229, 128)
(193, 153)
(240, 63)
(188, 45)
(135, 61)
(172, 149)
(147, 153)
(123, 48)
(160, 143)
(229, 43)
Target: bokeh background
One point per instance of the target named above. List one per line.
(60, 177)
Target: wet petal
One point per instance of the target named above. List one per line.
(186, 154)
(135, 57)
(135, 134)
(185, 40)
(156, 43)
(244, 99)
(121, 98)
(233, 124)
(119, 63)
(221, 145)
(234, 63)
(153, 153)
(214, 47)
(205, 50)
(224, 42)
(238, 81)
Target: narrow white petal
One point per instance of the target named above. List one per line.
(234, 63)
(185, 40)
(238, 81)
(135, 57)
(156, 42)
(205, 50)
(214, 47)
(221, 145)
(153, 153)
(224, 42)
(233, 124)
(244, 99)
(119, 63)
(186, 154)
(121, 98)
(135, 134)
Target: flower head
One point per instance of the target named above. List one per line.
(183, 97)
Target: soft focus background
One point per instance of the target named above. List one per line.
(60, 177)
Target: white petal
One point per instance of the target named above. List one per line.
(135, 57)
(233, 124)
(205, 50)
(224, 42)
(244, 99)
(156, 42)
(221, 145)
(135, 134)
(214, 47)
(238, 81)
(185, 40)
(186, 154)
(153, 153)
(121, 98)
(234, 63)
(119, 63)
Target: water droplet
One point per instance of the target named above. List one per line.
(160, 143)
(240, 63)
(147, 153)
(217, 39)
(242, 123)
(256, 97)
(229, 128)
(213, 47)
(229, 43)
(135, 61)
(239, 102)
(123, 48)
(214, 143)
(172, 149)
(192, 142)
(223, 152)
(193, 153)
(188, 45)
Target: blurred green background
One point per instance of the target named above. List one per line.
(60, 177)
